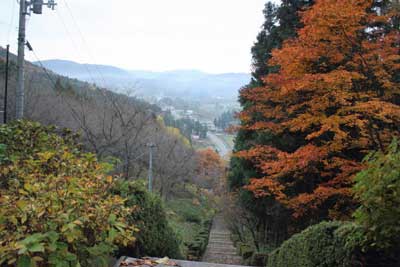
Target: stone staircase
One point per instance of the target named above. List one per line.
(220, 247)
(220, 251)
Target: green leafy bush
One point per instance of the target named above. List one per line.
(258, 259)
(378, 191)
(321, 245)
(56, 208)
(193, 232)
(198, 246)
(155, 237)
(245, 250)
(187, 210)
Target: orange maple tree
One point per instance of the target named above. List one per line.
(337, 95)
(210, 166)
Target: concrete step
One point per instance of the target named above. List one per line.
(220, 241)
(218, 246)
(222, 234)
(220, 238)
(223, 251)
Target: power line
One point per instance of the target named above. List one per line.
(50, 79)
(77, 50)
(83, 40)
(58, 94)
(102, 90)
(44, 69)
(11, 22)
(85, 43)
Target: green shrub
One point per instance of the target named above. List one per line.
(155, 236)
(197, 248)
(181, 212)
(378, 191)
(259, 259)
(55, 205)
(321, 245)
(245, 251)
(188, 211)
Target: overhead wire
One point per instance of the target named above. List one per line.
(75, 46)
(58, 94)
(11, 22)
(102, 91)
(101, 76)
(43, 68)
(85, 43)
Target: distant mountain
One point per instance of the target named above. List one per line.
(187, 84)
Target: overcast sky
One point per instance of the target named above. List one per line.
(209, 35)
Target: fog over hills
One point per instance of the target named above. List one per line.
(187, 84)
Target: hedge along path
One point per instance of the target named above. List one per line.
(220, 247)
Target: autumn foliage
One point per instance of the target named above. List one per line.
(210, 167)
(56, 208)
(335, 97)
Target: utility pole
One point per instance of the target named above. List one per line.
(6, 85)
(151, 146)
(20, 91)
(25, 9)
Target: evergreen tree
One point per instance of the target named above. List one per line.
(280, 24)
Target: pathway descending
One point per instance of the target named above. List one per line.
(220, 248)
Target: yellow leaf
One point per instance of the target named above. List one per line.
(24, 218)
(46, 155)
(109, 179)
(40, 214)
(23, 192)
(28, 187)
(164, 260)
(10, 262)
(64, 228)
(37, 258)
(21, 204)
(78, 222)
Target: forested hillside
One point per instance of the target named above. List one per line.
(111, 124)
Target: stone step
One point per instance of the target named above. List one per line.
(220, 242)
(221, 233)
(220, 238)
(218, 245)
(223, 250)
(223, 253)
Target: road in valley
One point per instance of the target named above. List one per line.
(222, 147)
